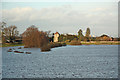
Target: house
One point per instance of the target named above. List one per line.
(105, 38)
(56, 36)
(116, 39)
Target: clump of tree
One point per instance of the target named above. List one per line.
(87, 36)
(11, 33)
(2, 24)
(8, 33)
(88, 32)
(71, 37)
(51, 37)
(67, 37)
(62, 38)
(80, 35)
(32, 37)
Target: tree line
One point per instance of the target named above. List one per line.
(79, 37)
(32, 37)
(8, 33)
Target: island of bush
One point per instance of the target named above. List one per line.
(52, 45)
(32, 37)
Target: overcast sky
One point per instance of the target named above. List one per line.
(64, 17)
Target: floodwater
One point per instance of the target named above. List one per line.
(85, 61)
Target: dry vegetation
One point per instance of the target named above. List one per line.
(52, 45)
(45, 48)
(32, 37)
(75, 42)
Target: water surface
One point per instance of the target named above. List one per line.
(91, 61)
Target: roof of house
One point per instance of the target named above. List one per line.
(56, 33)
(104, 35)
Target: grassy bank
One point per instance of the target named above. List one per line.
(95, 43)
(101, 43)
(52, 45)
(11, 45)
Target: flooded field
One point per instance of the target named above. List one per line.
(91, 61)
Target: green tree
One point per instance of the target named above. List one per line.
(87, 34)
(2, 26)
(71, 37)
(61, 37)
(80, 35)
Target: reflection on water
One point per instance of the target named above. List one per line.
(93, 61)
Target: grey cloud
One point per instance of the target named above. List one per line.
(63, 18)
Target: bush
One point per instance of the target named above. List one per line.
(63, 44)
(52, 45)
(45, 48)
(32, 37)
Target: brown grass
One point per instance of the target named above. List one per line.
(75, 42)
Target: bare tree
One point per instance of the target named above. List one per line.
(10, 32)
(32, 37)
(2, 26)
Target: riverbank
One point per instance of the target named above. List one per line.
(10, 45)
(68, 43)
(98, 43)
(101, 43)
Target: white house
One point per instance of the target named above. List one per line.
(56, 36)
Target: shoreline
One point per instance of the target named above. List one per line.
(68, 43)
(99, 43)
(11, 45)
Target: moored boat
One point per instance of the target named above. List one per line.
(27, 52)
(10, 50)
(20, 48)
(18, 52)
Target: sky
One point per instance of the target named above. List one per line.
(63, 17)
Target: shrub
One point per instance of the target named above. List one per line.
(51, 45)
(45, 48)
(63, 44)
